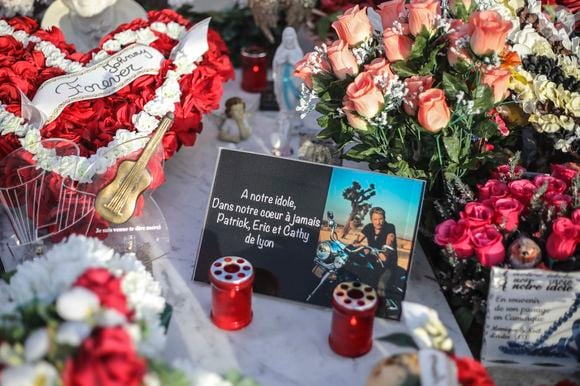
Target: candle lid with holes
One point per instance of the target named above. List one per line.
(231, 270)
(355, 296)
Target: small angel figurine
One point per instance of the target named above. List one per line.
(235, 128)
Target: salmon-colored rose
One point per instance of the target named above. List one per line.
(390, 11)
(489, 32)
(379, 67)
(457, 51)
(353, 26)
(366, 98)
(304, 68)
(415, 86)
(497, 79)
(355, 120)
(433, 114)
(397, 46)
(342, 60)
(422, 13)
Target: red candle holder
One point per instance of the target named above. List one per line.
(254, 69)
(231, 282)
(354, 305)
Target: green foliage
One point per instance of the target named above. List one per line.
(169, 376)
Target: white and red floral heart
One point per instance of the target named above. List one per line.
(29, 56)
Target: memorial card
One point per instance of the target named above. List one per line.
(533, 318)
(307, 227)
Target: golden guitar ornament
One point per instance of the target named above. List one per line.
(117, 201)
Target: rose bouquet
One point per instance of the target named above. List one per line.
(514, 222)
(411, 89)
(85, 315)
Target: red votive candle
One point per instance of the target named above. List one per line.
(354, 305)
(231, 288)
(254, 69)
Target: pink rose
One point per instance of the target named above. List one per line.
(489, 32)
(353, 27)
(367, 99)
(390, 11)
(562, 241)
(303, 69)
(492, 189)
(554, 184)
(456, 51)
(379, 67)
(558, 200)
(477, 214)
(488, 244)
(565, 172)
(422, 13)
(397, 46)
(576, 217)
(342, 60)
(433, 112)
(455, 234)
(355, 120)
(497, 79)
(523, 190)
(415, 86)
(502, 172)
(507, 213)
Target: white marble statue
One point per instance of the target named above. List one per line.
(85, 22)
(286, 85)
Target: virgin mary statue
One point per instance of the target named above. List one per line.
(286, 85)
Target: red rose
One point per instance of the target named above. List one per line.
(503, 172)
(507, 213)
(554, 184)
(477, 214)
(523, 190)
(10, 50)
(106, 358)
(492, 189)
(472, 373)
(576, 217)
(558, 200)
(163, 44)
(562, 241)
(456, 234)
(166, 16)
(565, 172)
(23, 23)
(488, 244)
(107, 287)
(25, 70)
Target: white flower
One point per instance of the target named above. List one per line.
(5, 28)
(205, 378)
(31, 141)
(184, 64)
(11, 355)
(77, 304)
(36, 374)
(426, 328)
(66, 166)
(31, 281)
(524, 40)
(175, 30)
(152, 342)
(145, 36)
(151, 379)
(159, 27)
(112, 45)
(22, 37)
(170, 90)
(36, 345)
(99, 56)
(110, 318)
(72, 333)
(145, 123)
(159, 107)
(126, 37)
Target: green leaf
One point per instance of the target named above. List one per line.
(453, 85)
(452, 146)
(169, 376)
(483, 98)
(400, 340)
(487, 129)
(402, 69)
(418, 49)
(431, 64)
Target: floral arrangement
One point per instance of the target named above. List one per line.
(85, 315)
(29, 56)
(547, 83)
(515, 222)
(412, 94)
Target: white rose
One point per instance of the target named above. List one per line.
(41, 373)
(77, 304)
(36, 345)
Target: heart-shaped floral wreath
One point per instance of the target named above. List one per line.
(186, 86)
